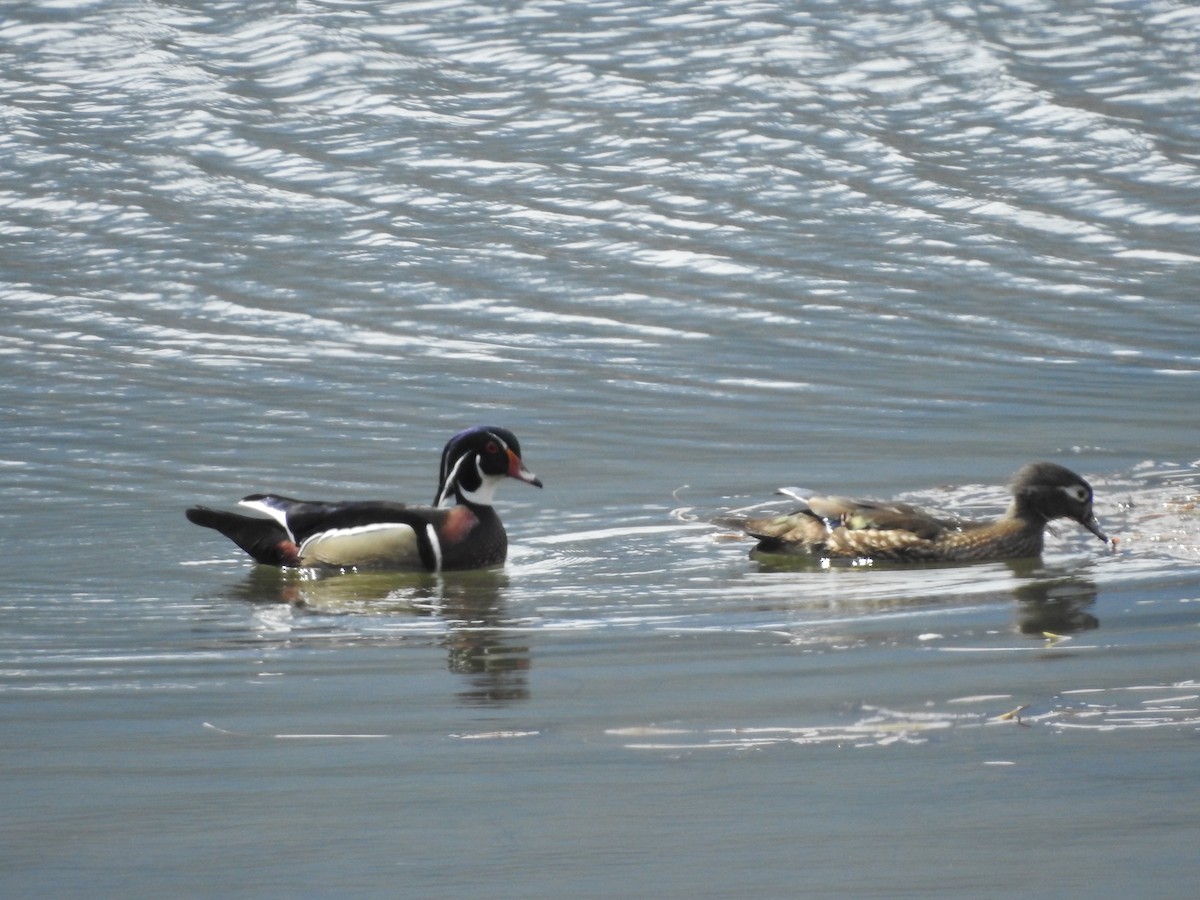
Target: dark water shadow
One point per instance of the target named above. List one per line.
(1049, 600)
(482, 645)
(1051, 603)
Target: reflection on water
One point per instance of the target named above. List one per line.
(481, 640)
(858, 246)
(1053, 607)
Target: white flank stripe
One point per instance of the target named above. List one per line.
(437, 547)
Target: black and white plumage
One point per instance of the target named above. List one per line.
(382, 534)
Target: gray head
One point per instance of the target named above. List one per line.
(1045, 490)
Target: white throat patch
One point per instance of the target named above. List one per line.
(486, 493)
(483, 496)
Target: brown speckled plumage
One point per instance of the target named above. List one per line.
(837, 527)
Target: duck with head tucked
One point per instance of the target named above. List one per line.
(841, 528)
(381, 534)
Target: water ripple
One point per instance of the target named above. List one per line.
(718, 231)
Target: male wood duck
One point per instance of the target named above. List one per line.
(382, 534)
(837, 527)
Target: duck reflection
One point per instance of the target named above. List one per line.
(1048, 600)
(479, 641)
(1055, 605)
(477, 644)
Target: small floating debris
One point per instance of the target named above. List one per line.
(1012, 714)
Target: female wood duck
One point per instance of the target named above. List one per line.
(381, 534)
(837, 527)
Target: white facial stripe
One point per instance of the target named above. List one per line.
(448, 487)
(485, 494)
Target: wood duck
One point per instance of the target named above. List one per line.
(380, 534)
(837, 527)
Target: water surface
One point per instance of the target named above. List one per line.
(690, 253)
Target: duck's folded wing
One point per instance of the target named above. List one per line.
(361, 534)
(796, 532)
(859, 515)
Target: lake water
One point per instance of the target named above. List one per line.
(689, 253)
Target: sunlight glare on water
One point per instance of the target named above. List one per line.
(690, 254)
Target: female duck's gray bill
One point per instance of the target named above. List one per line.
(1093, 526)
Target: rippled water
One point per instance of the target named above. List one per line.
(689, 252)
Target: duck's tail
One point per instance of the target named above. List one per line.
(263, 539)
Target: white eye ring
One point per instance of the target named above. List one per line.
(1078, 493)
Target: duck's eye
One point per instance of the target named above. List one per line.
(492, 448)
(1078, 493)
